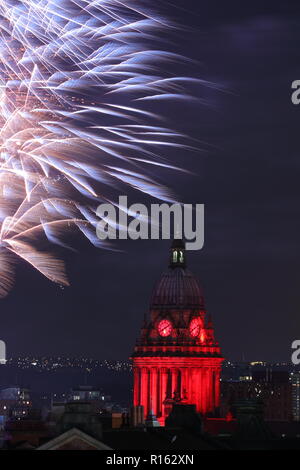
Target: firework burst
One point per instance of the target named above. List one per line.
(76, 79)
(27, 221)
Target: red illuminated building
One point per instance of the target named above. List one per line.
(176, 359)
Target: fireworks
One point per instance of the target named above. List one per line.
(29, 221)
(76, 79)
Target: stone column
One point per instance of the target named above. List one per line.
(198, 389)
(174, 382)
(163, 388)
(211, 389)
(217, 388)
(136, 386)
(144, 389)
(205, 390)
(189, 385)
(154, 391)
(183, 383)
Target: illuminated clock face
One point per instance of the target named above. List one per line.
(165, 328)
(195, 327)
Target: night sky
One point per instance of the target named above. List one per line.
(247, 175)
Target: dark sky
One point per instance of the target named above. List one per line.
(248, 178)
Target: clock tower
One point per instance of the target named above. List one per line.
(176, 358)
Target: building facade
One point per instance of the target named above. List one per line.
(176, 358)
(295, 381)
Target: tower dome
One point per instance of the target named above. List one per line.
(176, 359)
(177, 287)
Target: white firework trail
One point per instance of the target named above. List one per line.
(25, 221)
(76, 80)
